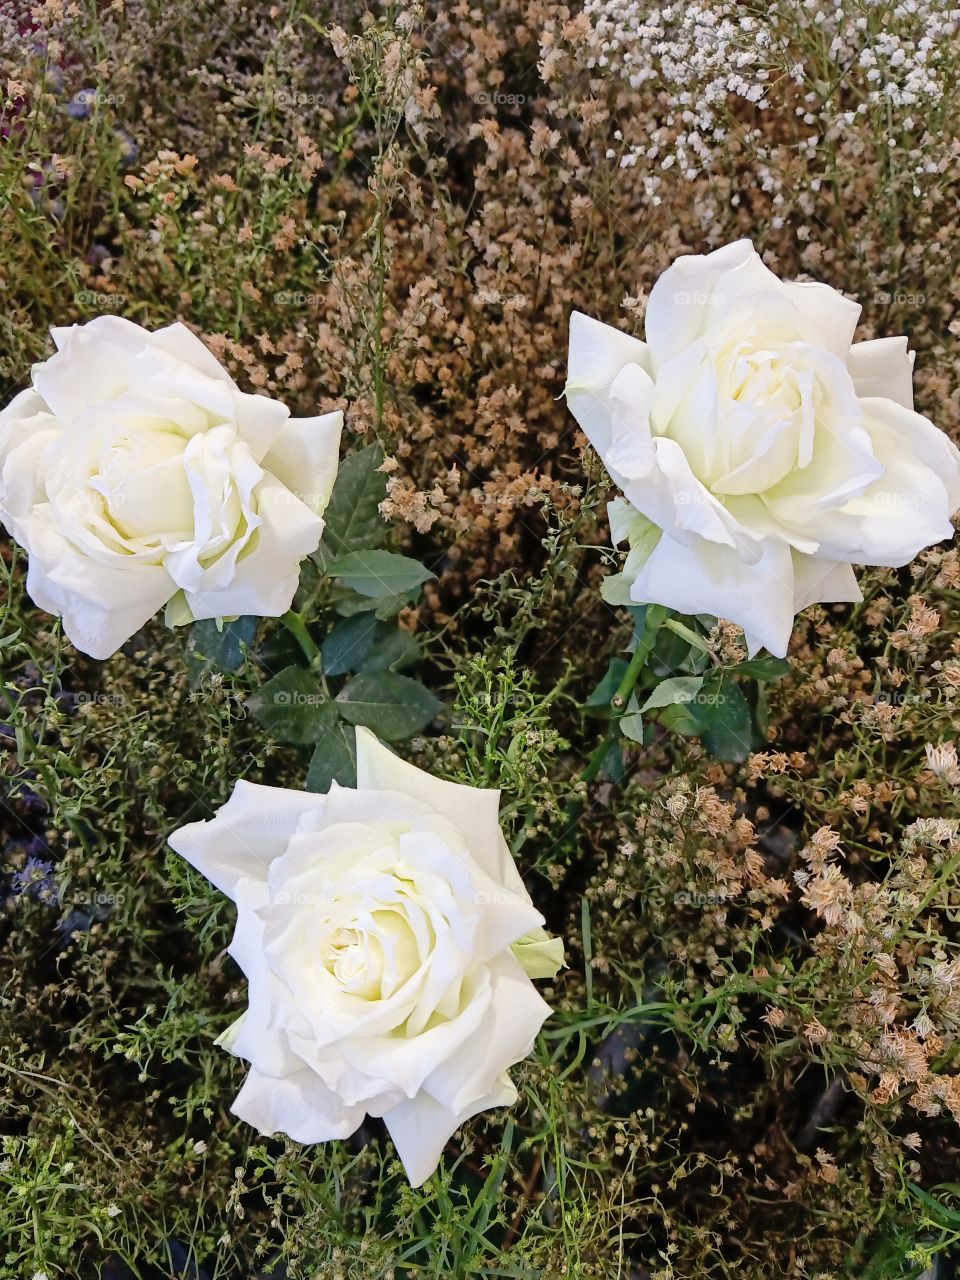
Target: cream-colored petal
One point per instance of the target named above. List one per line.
(298, 1105)
(597, 354)
(474, 811)
(883, 367)
(101, 605)
(421, 1127)
(819, 581)
(708, 578)
(246, 834)
(305, 456)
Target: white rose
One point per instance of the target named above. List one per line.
(759, 453)
(387, 940)
(136, 475)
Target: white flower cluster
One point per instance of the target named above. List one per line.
(701, 58)
(697, 56)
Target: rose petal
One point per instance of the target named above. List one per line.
(299, 1105)
(517, 1012)
(597, 354)
(90, 365)
(682, 300)
(474, 811)
(708, 578)
(267, 574)
(304, 457)
(828, 581)
(909, 507)
(421, 1127)
(245, 834)
(883, 367)
(101, 606)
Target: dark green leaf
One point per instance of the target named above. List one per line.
(348, 603)
(612, 765)
(379, 573)
(393, 706)
(681, 718)
(220, 649)
(288, 706)
(335, 757)
(348, 643)
(352, 517)
(362, 643)
(394, 648)
(766, 668)
(722, 710)
(389, 606)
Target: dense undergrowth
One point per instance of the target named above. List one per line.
(752, 1065)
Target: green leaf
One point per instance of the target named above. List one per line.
(335, 756)
(724, 715)
(679, 689)
(601, 697)
(612, 765)
(352, 518)
(393, 706)
(389, 606)
(394, 648)
(943, 1214)
(631, 726)
(379, 573)
(288, 706)
(362, 643)
(348, 643)
(220, 649)
(681, 718)
(766, 668)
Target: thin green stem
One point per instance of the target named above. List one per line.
(298, 629)
(655, 617)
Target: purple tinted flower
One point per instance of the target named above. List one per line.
(129, 151)
(81, 104)
(98, 252)
(35, 880)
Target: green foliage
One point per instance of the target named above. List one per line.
(393, 706)
(378, 573)
(703, 1101)
(352, 518)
